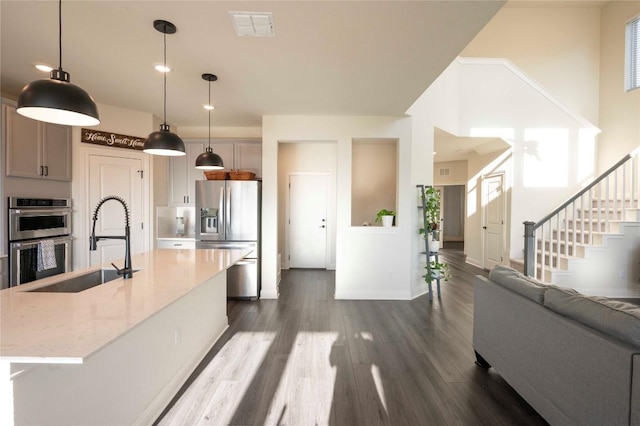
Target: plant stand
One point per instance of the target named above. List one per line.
(433, 254)
(427, 237)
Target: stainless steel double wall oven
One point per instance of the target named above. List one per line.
(32, 223)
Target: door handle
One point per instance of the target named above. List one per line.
(484, 227)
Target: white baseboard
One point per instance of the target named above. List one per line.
(268, 294)
(474, 262)
(419, 291)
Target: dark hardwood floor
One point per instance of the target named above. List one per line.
(308, 359)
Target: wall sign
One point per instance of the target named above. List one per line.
(111, 139)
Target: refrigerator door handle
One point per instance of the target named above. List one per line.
(228, 218)
(221, 214)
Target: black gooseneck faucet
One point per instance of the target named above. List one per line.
(127, 271)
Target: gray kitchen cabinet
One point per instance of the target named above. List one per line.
(245, 155)
(176, 243)
(183, 174)
(36, 149)
(225, 151)
(248, 156)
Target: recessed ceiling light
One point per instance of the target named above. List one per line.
(43, 67)
(162, 68)
(209, 107)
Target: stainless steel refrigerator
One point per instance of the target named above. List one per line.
(228, 216)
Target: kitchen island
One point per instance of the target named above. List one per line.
(115, 353)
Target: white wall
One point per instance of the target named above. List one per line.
(306, 157)
(457, 173)
(116, 120)
(553, 147)
(619, 110)
(371, 262)
(556, 43)
(221, 132)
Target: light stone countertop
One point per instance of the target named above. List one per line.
(68, 327)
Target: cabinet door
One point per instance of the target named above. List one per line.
(56, 152)
(24, 150)
(248, 156)
(178, 180)
(225, 151)
(194, 149)
(174, 244)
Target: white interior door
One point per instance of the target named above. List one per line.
(308, 194)
(121, 177)
(493, 203)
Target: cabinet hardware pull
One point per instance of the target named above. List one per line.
(41, 170)
(46, 170)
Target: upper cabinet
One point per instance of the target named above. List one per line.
(244, 155)
(183, 174)
(248, 156)
(36, 149)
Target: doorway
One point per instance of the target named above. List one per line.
(121, 177)
(307, 220)
(453, 213)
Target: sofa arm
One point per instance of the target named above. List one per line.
(635, 391)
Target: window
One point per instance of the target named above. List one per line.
(632, 69)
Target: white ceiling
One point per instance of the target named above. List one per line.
(327, 57)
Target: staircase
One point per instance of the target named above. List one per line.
(592, 241)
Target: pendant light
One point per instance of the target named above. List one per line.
(57, 100)
(209, 160)
(164, 142)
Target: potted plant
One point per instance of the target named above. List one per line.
(435, 270)
(386, 217)
(431, 208)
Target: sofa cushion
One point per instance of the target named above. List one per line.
(618, 319)
(513, 280)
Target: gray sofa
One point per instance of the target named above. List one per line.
(574, 359)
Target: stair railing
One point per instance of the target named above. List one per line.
(580, 219)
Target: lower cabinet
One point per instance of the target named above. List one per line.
(176, 244)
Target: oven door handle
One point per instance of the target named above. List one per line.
(40, 212)
(23, 245)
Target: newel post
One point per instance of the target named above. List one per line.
(529, 243)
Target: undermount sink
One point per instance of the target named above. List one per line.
(80, 283)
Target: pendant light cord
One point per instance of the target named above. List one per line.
(209, 115)
(165, 78)
(60, 34)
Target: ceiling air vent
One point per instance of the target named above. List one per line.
(444, 172)
(253, 24)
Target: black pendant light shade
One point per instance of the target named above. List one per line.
(57, 100)
(209, 160)
(164, 142)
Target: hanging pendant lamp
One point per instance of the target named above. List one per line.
(209, 160)
(57, 100)
(164, 142)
